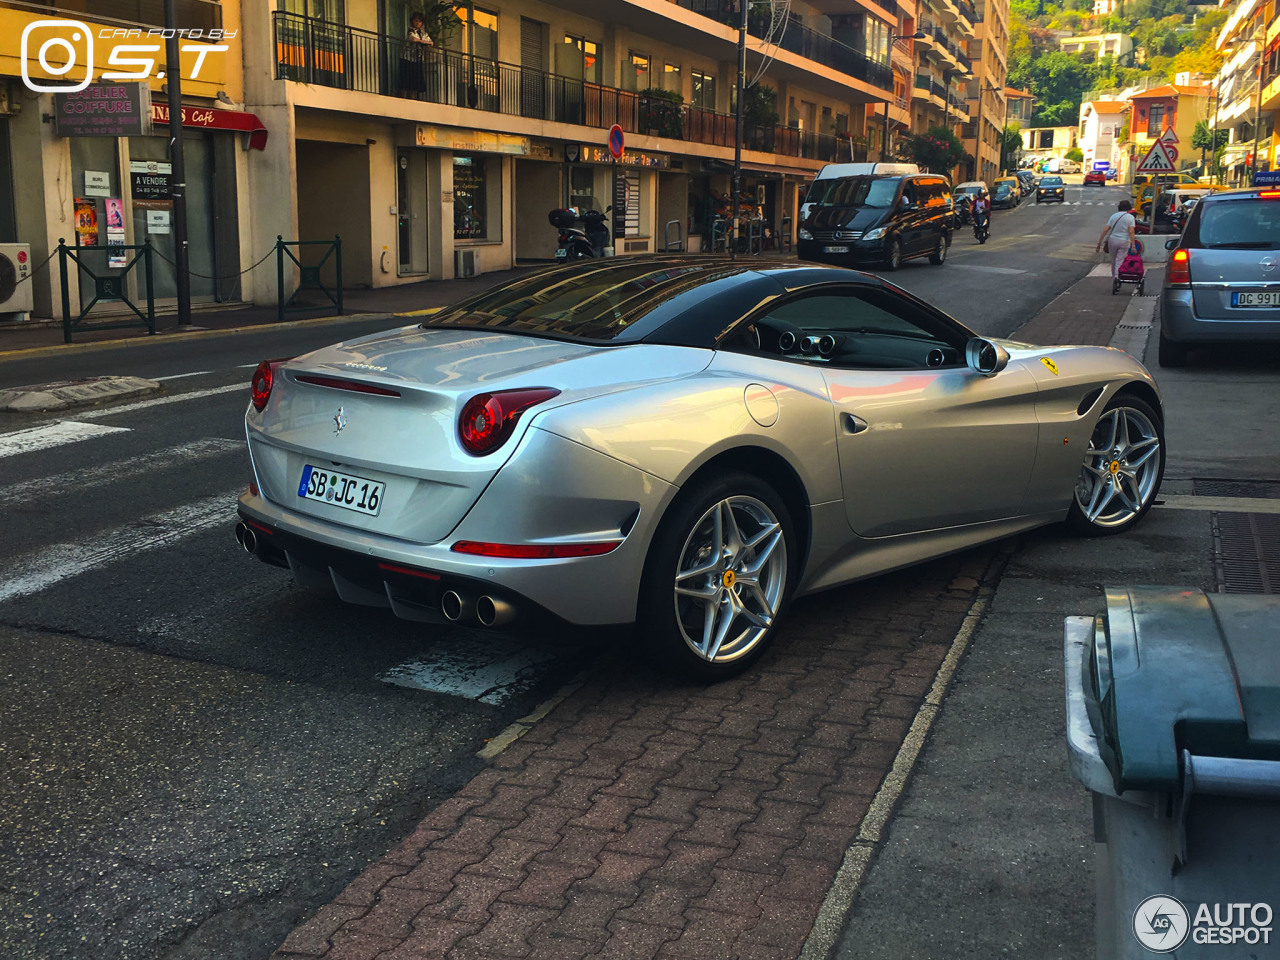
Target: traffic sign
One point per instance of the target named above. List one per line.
(1157, 160)
(1171, 150)
(616, 141)
(1169, 136)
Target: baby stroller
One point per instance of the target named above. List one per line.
(1132, 270)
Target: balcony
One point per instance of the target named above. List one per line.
(937, 39)
(189, 14)
(333, 55)
(803, 41)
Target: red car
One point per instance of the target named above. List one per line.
(1096, 176)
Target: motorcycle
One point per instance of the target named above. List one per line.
(577, 243)
(982, 227)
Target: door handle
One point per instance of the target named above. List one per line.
(853, 424)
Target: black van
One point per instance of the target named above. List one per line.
(859, 218)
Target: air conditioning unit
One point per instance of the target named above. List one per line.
(466, 263)
(15, 278)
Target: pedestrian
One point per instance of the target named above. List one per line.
(413, 56)
(1117, 237)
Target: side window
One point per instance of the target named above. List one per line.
(909, 194)
(861, 328)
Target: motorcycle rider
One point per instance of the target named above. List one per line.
(982, 214)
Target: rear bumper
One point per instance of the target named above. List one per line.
(1179, 323)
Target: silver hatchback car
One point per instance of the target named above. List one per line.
(1222, 283)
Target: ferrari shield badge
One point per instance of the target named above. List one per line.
(1048, 362)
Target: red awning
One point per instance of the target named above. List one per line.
(206, 118)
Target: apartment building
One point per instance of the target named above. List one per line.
(446, 160)
(943, 66)
(85, 159)
(1100, 135)
(988, 53)
(1020, 106)
(1176, 107)
(1246, 94)
(1099, 45)
(1048, 143)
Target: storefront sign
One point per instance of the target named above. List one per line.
(97, 183)
(471, 141)
(209, 119)
(149, 183)
(86, 222)
(1266, 178)
(632, 158)
(104, 110)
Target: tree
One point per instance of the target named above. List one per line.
(1076, 154)
(1010, 146)
(937, 151)
(1202, 138)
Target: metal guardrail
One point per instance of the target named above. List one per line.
(309, 275)
(112, 287)
(332, 55)
(676, 245)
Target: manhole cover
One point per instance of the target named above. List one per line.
(1247, 552)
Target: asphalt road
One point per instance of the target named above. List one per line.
(196, 754)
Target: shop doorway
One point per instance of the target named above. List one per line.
(411, 212)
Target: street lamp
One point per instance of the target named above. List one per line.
(918, 35)
(977, 139)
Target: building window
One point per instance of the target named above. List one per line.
(637, 76)
(1046, 140)
(484, 31)
(590, 53)
(703, 90)
(470, 197)
(671, 78)
(1155, 120)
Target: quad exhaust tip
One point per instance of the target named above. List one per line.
(492, 612)
(456, 607)
(485, 610)
(247, 538)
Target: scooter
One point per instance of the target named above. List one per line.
(577, 243)
(981, 227)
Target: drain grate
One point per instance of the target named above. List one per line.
(1247, 552)
(1263, 489)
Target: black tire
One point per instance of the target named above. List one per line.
(939, 256)
(894, 260)
(664, 616)
(1141, 418)
(1172, 354)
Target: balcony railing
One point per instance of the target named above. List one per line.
(802, 41)
(332, 55)
(939, 36)
(203, 15)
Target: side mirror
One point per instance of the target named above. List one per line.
(985, 357)
(1171, 244)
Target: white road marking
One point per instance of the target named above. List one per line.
(179, 376)
(984, 269)
(161, 401)
(492, 671)
(61, 561)
(52, 435)
(77, 482)
(1100, 270)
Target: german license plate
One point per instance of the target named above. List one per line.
(1263, 298)
(561, 253)
(835, 248)
(341, 490)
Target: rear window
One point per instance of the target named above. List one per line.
(853, 192)
(600, 305)
(1252, 224)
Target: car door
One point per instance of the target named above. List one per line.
(923, 441)
(910, 219)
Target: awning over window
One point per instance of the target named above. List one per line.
(206, 118)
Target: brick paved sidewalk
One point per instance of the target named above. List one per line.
(1086, 312)
(646, 818)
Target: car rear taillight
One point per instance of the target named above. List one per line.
(1179, 270)
(536, 551)
(489, 418)
(264, 378)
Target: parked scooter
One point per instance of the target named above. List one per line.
(576, 243)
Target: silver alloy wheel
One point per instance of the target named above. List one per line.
(730, 579)
(1121, 468)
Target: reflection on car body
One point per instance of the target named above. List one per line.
(683, 443)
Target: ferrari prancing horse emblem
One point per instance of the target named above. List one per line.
(339, 421)
(1053, 367)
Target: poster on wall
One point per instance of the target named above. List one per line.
(115, 232)
(97, 183)
(86, 222)
(157, 221)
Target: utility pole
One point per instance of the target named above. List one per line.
(1257, 112)
(737, 123)
(178, 168)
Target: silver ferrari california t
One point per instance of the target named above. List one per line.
(686, 444)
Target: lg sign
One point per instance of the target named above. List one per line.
(62, 46)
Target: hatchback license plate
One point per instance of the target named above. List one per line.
(1268, 298)
(341, 490)
(835, 249)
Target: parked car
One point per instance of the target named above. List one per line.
(1221, 284)
(876, 218)
(1051, 189)
(684, 442)
(1095, 178)
(1166, 180)
(1027, 180)
(1005, 193)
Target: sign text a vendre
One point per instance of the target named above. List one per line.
(104, 110)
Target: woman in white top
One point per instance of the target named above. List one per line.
(1118, 235)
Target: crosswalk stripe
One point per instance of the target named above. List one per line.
(62, 561)
(162, 401)
(52, 435)
(77, 482)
